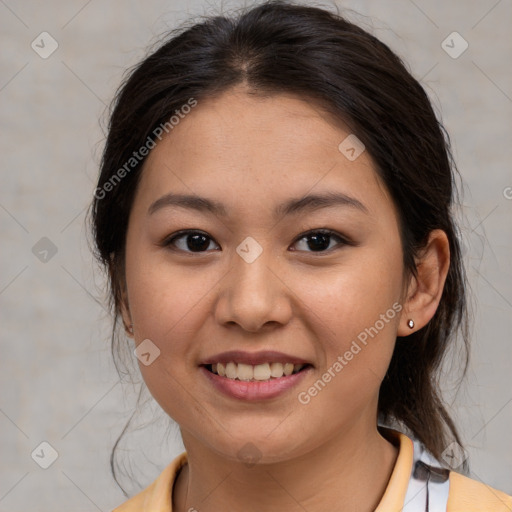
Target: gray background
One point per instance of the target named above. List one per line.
(57, 379)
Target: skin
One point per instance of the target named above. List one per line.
(252, 153)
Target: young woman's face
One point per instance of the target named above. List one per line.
(259, 277)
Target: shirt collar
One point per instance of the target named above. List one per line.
(394, 495)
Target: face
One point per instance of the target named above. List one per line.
(262, 276)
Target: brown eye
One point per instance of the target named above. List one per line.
(320, 240)
(189, 241)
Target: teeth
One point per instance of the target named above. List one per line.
(245, 372)
(259, 372)
(276, 370)
(288, 369)
(262, 372)
(231, 371)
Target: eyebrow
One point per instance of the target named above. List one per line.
(293, 206)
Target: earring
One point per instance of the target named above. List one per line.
(130, 329)
(410, 323)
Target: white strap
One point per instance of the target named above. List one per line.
(429, 484)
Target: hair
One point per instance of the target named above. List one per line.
(278, 47)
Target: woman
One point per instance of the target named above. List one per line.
(274, 212)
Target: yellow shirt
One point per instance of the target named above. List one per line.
(465, 494)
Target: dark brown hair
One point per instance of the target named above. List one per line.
(281, 47)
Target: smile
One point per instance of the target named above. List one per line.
(259, 372)
(254, 383)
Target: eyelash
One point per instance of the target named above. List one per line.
(169, 241)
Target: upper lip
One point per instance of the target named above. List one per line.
(253, 358)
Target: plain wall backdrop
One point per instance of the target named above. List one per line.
(58, 383)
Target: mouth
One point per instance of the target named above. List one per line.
(255, 373)
(254, 376)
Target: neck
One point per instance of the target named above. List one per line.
(355, 478)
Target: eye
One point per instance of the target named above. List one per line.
(194, 241)
(197, 241)
(320, 240)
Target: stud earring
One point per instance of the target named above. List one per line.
(410, 323)
(130, 329)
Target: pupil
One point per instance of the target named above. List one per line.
(200, 242)
(321, 241)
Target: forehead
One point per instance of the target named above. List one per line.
(257, 150)
(231, 125)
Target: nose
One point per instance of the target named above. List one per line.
(254, 295)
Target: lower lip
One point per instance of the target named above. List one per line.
(254, 390)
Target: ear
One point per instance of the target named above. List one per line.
(425, 290)
(117, 276)
(125, 309)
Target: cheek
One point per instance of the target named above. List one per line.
(354, 312)
(177, 397)
(164, 304)
(356, 343)
(164, 296)
(165, 307)
(353, 295)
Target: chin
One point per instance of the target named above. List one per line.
(257, 447)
